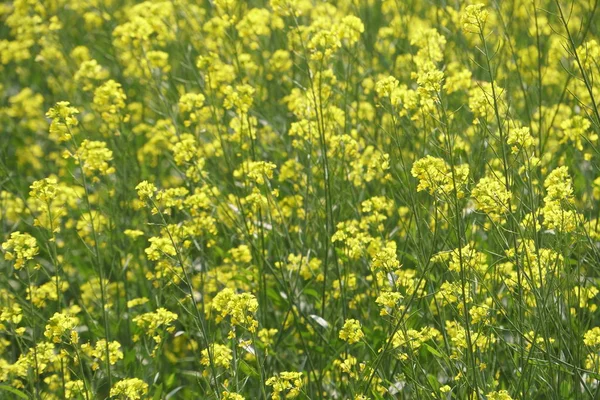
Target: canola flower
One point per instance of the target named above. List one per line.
(289, 383)
(299, 199)
(129, 389)
(21, 247)
(351, 332)
(63, 120)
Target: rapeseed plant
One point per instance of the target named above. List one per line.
(310, 199)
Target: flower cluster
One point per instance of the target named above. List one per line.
(240, 308)
(351, 332)
(21, 247)
(438, 178)
(304, 199)
(63, 121)
(289, 383)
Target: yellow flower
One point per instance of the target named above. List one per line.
(129, 389)
(39, 295)
(386, 87)
(94, 157)
(323, 44)
(145, 190)
(151, 321)
(190, 105)
(350, 29)
(133, 233)
(351, 331)
(474, 17)
(45, 189)
(185, 149)
(155, 324)
(239, 98)
(137, 301)
(63, 121)
(280, 61)
(239, 307)
(557, 210)
(12, 313)
(220, 356)
(109, 102)
(435, 176)
(430, 82)
(388, 301)
(255, 171)
(58, 325)
(499, 395)
(20, 247)
(232, 396)
(98, 353)
(520, 139)
(255, 22)
(89, 72)
(592, 337)
(386, 258)
(576, 128)
(492, 198)
(73, 389)
(12, 207)
(290, 382)
(160, 246)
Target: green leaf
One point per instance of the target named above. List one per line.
(273, 295)
(248, 369)
(312, 293)
(158, 392)
(433, 381)
(433, 351)
(14, 391)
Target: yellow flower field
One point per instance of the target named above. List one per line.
(299, 199)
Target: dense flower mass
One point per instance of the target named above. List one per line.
(299, 199)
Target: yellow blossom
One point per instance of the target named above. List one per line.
(20, 248)
(351, 331)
